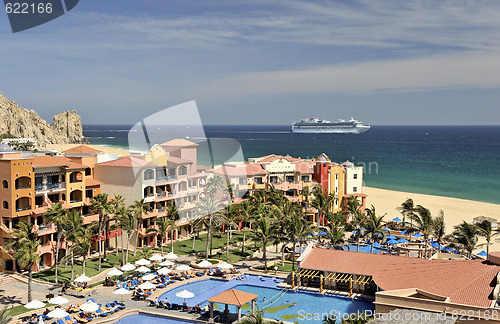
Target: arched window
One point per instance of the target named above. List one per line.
(5, 184)
(5, 205)
(149, 174)
(182, 170)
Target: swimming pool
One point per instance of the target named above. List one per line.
(279, 303)
(363, 248)
(150, 319)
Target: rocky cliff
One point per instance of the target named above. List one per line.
(66, 127)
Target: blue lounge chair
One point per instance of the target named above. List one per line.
(67, 318)
(118, 305)
(90, 300)
(111, 307)
(60, 321)
(100, 313)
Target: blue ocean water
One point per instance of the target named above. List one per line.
(453, 161)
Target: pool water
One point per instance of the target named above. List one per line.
(363, 248)
(150, 319)
(279, 303)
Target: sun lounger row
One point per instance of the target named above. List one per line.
(167, 305)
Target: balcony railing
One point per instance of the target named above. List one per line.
(23, 187)
(75, 200)
(167, 177)
(19, 209)
(50, 186)
(161, 194)
(193, 188)
(44, 227)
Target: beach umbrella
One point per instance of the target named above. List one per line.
(417, 235)
(402, 240)
(143, 262)
(322, 233)
(40, 319)
(164, 271)
(392, 241)
(377, 245)
(89, 307)
(128, 267)
(355, 232)
(142, 269)
(171, 256)
(34, 304)
(82, 278)
(166, 263)
(397, 219)
(58, 313)
(115, 272)
(225, 265)
(435, 245)
(122, 291)
(404, 232)
(147, 285)
(205, 264)
(183, 267)
(59, 300)
(156, 257)
(391, 237)
(385, 229)
(184, 294)
(149, 276)
(482, 253)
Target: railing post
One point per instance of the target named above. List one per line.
(293, 279)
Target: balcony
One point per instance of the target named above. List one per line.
(192, 188)
(75, 201)
(166, 178)
(50, 186)
(20, 209)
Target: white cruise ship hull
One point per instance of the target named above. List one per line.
(329, 130)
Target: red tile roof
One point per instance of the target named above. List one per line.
(45, 161)
(92, 182)
(233, 297)
(240, 169)
(179, 142)
(303, 167)
(127, 162)
(82, 149)
(469, 282)
(177, 160)
(273, 157)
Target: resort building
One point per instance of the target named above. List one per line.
(453, 286)
(344, 180)
(30, 184)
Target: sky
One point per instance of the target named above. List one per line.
(390, 62)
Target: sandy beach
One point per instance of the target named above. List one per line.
(455, 210)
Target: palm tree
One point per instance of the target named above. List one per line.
(57, 216)
(264, 230)
(164, 224)
(25, 247)
(439, 227)
(296, 229)
(424, 223)
(374, 225)
(100, 204)
(407, 209)
(335, 235)
(215, 183)
(128, 223)
(118, 202)
(466, 235)
(209, 209)
(83, 244)
(485, 230)
(357, 217)
(173, 215)
(196, 225)
(306, 193)
(71, 227)
(139, 208)
(5, 317)
(146, 252)
(245, 216)
(230, 220)
(322, 202)
(256, 317)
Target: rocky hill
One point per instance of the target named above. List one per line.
(66, 127)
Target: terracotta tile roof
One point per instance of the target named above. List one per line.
(127, 162)
(469, 282)
(82, 149)
(92, 182)
(273, 157)
(74, 165)
(240, 169)
(179, 142)
(233, 297)
(176, 160)
(303, 167)
(46, 161)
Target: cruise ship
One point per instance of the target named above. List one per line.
(315, 125)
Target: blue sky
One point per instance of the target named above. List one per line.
(262, 62)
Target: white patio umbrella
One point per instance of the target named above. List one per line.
(122, 291)
(128, 267)
(185, 294)
(142, 269)
(115, 272)
(40, 320)
(225, 265)
(166, 263)
(149, 276)
(34, 304)
(58, 313)
(171, 256)
(142, 262)
(205, 264)
(89, 307)
(183, 267)
(82, 278)
(156, 257)
(59, 300)
(164, 271)
(146, 285)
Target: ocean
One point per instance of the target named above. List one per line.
(452, 161)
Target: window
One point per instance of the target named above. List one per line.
(5, 184)
(355, 189)
(88, 172)
(182, 170)
(243, 181)
(305, 178)
(5, 205)
(149, 174)
(290, 179)
(257, 180)
(336, 176)
(273, 179)
(355, 176)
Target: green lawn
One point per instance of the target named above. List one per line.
(91, 267)
(186, 246)
(20, 309)
(287, 267)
